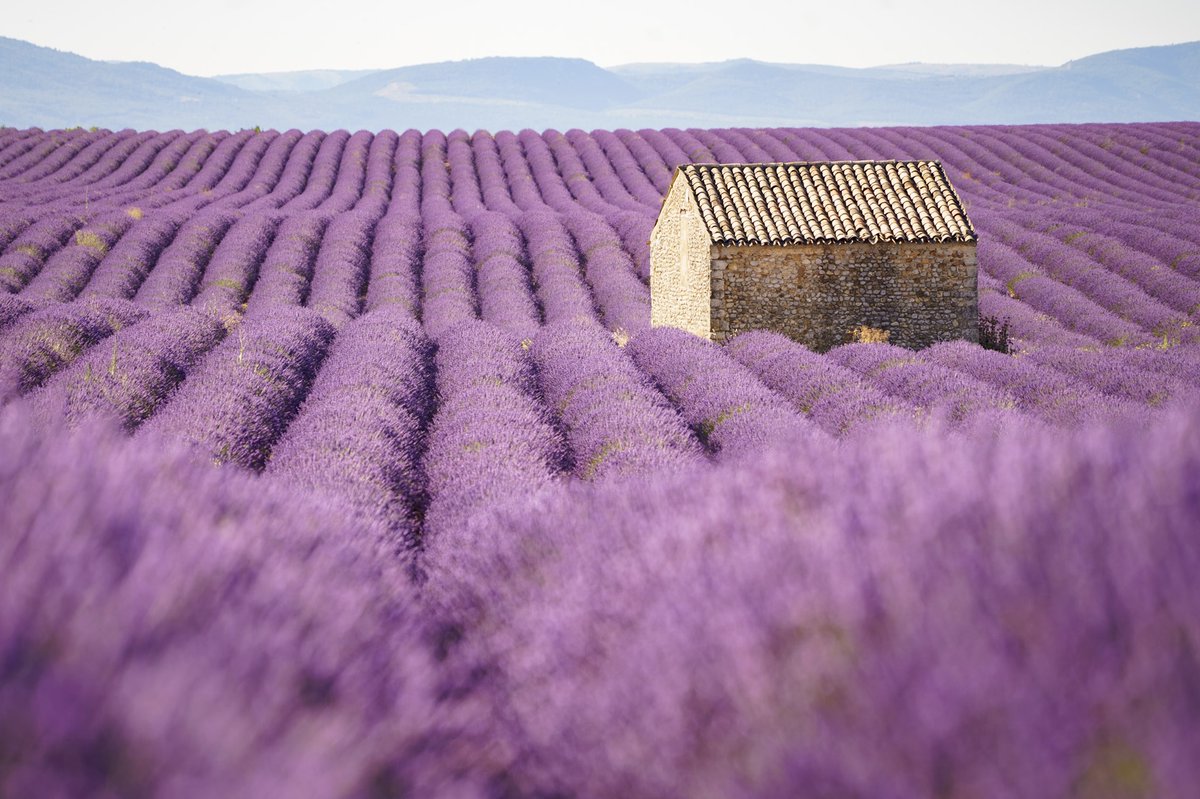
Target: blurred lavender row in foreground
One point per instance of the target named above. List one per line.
(920, 613)
(924, 613)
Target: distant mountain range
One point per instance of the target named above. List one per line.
(41, 87)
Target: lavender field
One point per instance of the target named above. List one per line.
(342, 464)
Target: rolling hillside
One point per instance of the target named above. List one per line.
(45, 88)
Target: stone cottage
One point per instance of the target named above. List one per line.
(817, 251)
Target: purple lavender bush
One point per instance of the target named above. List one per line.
(233, 268)
(168, 628)
(286, 272)
(341, 464)
(448, 295)
(130, 374)
(492, 437)
(945, 393)
(340, 271)
(46, 340)
(122, 270)
(395, 263)
(731, 410)
(361, 430)
(13, 308)
(836, 398)
(1120, 376)
(554, 267)
(621, 296)
(617, 422)
(67, 271)
(180, 267)
(1038, 390)
(922, 614)
(25, 255)
(506, 297)
(243, 394)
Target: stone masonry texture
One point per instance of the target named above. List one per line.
(681, 266)
(816, 294)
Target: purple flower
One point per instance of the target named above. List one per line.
(340, 271)
(836, 398)
(233, 268)
(395, 263)
(506, 296)
(129, 375)
(360, 433)
(1020, 606)
(44, 341)
(616, 422)
(27, 253)
(179, 268)
(242, 395)
(150, 599)
(946, 393)
(731, 410)
(124, 268)
(287, 268)
(492, 437)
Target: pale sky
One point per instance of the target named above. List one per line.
(230, 36)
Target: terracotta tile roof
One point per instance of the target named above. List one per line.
(828, 201)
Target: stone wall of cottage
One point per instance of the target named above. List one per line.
(680, 268)
(818, 294)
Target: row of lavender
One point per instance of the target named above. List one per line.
(264, 322)
(416, 439)
(1086, 239)
(794, 572)
(918, 613)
